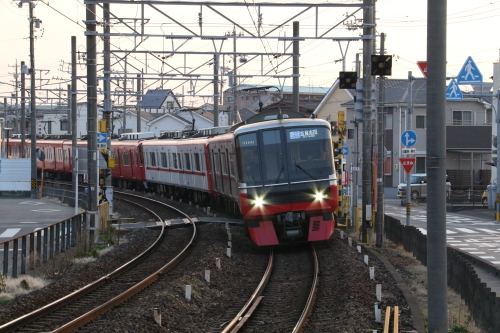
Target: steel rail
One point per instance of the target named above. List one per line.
(30, 317)
(254, 299)
(312, 294)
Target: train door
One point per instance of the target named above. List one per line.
(140, 162)
(215, 170)
(227, 172)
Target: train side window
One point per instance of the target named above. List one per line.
(179, 160)
(230, 158)
(187, 161)
(196, 160)
(163, 158)
(152, 159)
(224, 163)
(125, 158)
(216, 163)
(174, 159)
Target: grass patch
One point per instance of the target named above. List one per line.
(17, 286)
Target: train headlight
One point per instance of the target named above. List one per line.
(258, 202)
(320, 196)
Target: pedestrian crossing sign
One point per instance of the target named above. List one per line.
(470, 74)
(453, 92)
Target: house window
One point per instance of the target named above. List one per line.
(64, 125)
(420, 122)
(170, 105)
(420, 165)
(462, 118)
(230, 99)
(350, 133)
(388, 121)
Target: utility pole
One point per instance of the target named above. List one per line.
(108, 109)
(216, 90)
(23, 111)
(436, 167)
(408, 128)
(16, 76)
(139, 97)
(380, 154)
(92, 152)
(125, 97)
(358, 108)
(74, 130)
(368, 33)
(232, 118)
(34, 191)
(295, 94)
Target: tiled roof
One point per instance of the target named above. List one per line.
(154, 99)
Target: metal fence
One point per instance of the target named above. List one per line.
(66, 196)
(465, 199)
(31, 250)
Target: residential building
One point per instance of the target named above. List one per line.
(468, 131)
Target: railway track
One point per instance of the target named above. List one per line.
(85, 304)
(285, 295)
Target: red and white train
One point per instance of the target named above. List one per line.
(276, 170)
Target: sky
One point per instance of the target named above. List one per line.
(471, 30)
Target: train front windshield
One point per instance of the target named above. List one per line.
(285, 155)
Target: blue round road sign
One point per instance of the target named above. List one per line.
(409, 138)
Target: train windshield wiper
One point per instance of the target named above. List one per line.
(279, 174)
(307, 173)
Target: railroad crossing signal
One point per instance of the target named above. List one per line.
(347, 80)
(381, 65)
(407, 163)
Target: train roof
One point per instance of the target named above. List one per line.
(273, 119)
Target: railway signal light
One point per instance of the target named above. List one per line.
(381, 65)
(347, 80)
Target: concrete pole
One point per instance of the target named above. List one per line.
(380, 155)
(368, 32)
(408, 128)
(139, 96)
(70, 115)
(34, 191)
(358, 107)
(23, 111)
(295, 94)
(497, 201)
(108, 109)
(92, 156)
(73, 123)
(235, 82)
(436, 167)
(216, 90)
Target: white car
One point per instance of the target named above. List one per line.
(418, 183)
